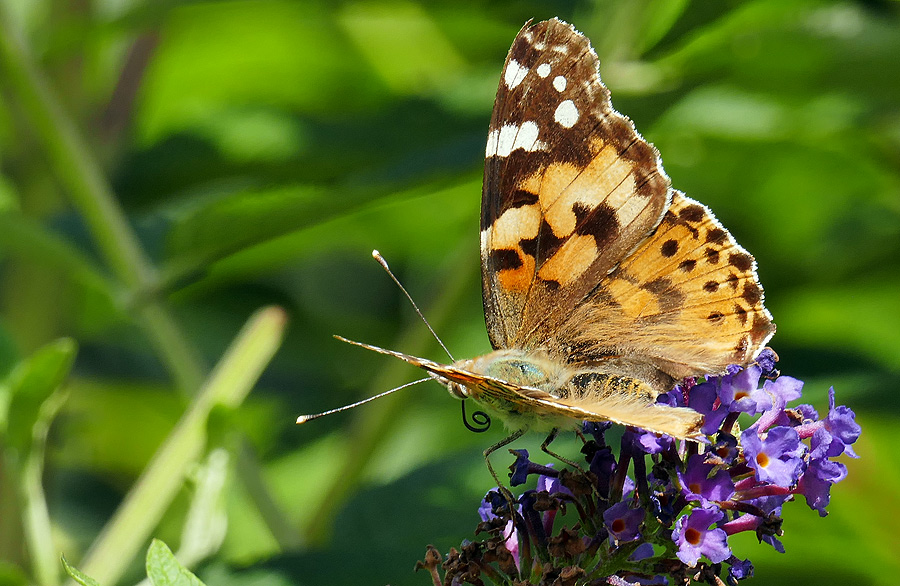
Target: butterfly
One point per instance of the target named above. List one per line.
(602, 285)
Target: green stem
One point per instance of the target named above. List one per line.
(251, 475)
(36, 517)
(90, 193)
(234, 376)
(71, 157)
(172, 346)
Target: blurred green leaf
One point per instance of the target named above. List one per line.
(217, 55)
(660, 17)
(403, 44)
(31, 383)
(12, 575)
(31, 241)
(247, 218)
(164, 570)
(9, 201)
(77, 574)
(9, 357)
(863, 318)
(114, 426)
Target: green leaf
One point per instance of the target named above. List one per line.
(31, 383)
(659, 18)
(243, 219)
(27, 239)
(164, 570)
(9, 353)
(78, 575)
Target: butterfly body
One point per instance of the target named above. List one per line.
(542, 394)
(531, 391)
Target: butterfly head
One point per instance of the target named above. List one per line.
(527, 370)
(456, 390)
(520, 368)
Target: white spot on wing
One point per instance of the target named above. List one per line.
(566, 114)
(543, 69)
(511, 137)
(493, 142)
(559, 82)
(514, 74)
(527, 138)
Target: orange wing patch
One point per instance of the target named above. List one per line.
(505, 238)
(692, 283)
(565, 195)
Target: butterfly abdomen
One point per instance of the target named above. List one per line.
(598, 384)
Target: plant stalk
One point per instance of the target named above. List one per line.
(230, 382)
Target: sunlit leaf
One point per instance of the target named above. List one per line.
(164, 570)
(77, 574)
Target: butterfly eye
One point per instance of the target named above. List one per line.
(518, 371)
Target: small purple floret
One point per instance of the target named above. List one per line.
(777, 458)
(522, 467)
(741, 393)
(704, 400)
(695, 538)
(649, 442)
(841, 422)
(623, 522)
(700, 483)
(739, 570)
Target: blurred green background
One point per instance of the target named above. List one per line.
(167, 168)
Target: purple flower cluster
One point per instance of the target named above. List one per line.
(662, 512)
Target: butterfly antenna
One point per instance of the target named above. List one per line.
(377, 256)
(305, 418)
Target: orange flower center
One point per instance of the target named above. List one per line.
(762, 459)
(692, 536)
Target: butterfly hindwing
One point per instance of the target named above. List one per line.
(688, 301)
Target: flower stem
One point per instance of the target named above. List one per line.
(36, 516)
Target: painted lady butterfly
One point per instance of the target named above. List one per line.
(602, 285)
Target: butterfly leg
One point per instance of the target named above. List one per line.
(546, 449)
(487, 460)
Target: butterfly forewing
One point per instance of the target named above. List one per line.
(570, 187)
